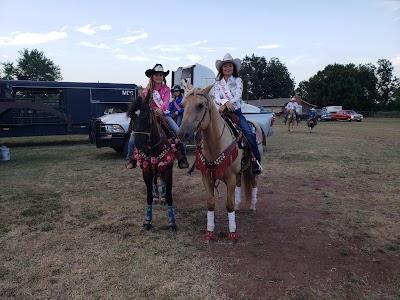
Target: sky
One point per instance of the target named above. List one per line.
(117, 41)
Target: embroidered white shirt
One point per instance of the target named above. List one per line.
(292, 105)
(229, 91)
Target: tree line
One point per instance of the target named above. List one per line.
(365, 87)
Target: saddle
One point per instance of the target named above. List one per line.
(165, 126)
(232, 121)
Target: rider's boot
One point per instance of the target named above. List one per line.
(182, 160)
(256, 168)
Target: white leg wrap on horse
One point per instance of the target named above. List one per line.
(210, 221)
(254, 195)
(238, 191)
(232, 222)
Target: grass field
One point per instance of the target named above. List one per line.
(70, 215)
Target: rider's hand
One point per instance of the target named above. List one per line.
(229, 106)
(158, 112)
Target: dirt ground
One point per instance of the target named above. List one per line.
(284, 254)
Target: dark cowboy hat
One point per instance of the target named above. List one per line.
(158, 68)
(177, 87)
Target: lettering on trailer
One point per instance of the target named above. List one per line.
(128, 93)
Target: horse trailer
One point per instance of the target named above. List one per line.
(38, 108)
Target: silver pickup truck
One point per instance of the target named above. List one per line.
(110, 130)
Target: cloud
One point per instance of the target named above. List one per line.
(90, 30)
(99, 46)
(168, 49)
(132, 58)
(272, 46)
(396, 60)
(20, 39)
(193, 58)
(132, 38)
(183, 48)
(391, 5)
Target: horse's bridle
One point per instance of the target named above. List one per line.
(205, 111)
(152, 117)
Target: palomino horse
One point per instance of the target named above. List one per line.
(291, 119)
(218, 156)
(155, 154)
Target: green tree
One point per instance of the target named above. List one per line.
(262, 79)
(32, 65)
(346, 85)
(386, 85)
(8, 71)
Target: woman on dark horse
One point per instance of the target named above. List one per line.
(154, 152)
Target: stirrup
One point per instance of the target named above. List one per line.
(256, 168)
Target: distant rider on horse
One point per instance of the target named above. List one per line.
(292, 105)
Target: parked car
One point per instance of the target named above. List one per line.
(326, 116)
(347, 115)
(303, 116)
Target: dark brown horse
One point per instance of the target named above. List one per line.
(155, 154)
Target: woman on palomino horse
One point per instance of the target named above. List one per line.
(161, 95)
(228, 95)
(175, 107)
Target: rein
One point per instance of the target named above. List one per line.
(205, 111)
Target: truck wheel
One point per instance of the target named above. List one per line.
(118, 149)
(125, 147)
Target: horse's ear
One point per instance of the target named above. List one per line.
(207, 90)
(135, 103)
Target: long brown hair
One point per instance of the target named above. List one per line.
(235, 72)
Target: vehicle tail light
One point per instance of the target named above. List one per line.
(272, 122)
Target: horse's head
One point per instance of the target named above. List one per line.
(197, 104)
(143, 120)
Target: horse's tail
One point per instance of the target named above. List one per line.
(248, 182)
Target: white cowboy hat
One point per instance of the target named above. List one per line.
(292, 99)
(158, 68)
(228, 58)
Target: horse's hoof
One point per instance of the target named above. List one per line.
(146, 225)
(232, 238)
(236, 207)
(209, 237)
(253, 207)
(172, 227)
